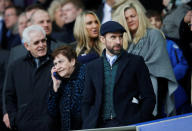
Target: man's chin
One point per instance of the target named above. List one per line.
(116, 52)
(41, 55)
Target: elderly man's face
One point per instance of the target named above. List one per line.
(43, 19)
(10, 17)
(113, 43)
(37, 45)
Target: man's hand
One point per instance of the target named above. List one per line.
(6, 121)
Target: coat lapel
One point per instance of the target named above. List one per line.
(123, 61)
(100, 74)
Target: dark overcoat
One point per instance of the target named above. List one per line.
(132, 81)
(26, 94)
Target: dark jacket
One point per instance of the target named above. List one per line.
(26, 94)
(185, 42)
(132, 80)
(11, 40)
(85, 58)
(100, 12)
(20, 51)
(67, 33)
(91, 4)
(67, 101)
(156, 5)
(58, 32)
(4, 55)
(3, 31)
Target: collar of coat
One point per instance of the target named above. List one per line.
(43, 59)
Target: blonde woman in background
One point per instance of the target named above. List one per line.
(144, 40)
(58, 21)
(86, 32)
(55, 13)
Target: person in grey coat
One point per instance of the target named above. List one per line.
(144, 40)
(171, 21)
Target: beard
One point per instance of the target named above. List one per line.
(113, 51)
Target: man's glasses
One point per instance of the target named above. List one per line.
(38, 41)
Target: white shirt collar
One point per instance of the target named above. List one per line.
(111, 59)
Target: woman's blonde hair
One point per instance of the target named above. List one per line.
(143, 21)
(52, 8)
(82, 37)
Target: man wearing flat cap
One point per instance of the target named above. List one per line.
(118, 90)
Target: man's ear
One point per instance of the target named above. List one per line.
(102, 39)
(26, 46)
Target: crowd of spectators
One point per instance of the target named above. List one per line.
(158, 30)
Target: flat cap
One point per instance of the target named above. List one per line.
(111, 27)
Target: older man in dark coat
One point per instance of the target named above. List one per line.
(28, 78)
(42, 18)
(118, 90)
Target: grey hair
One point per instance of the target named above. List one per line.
(25, 35)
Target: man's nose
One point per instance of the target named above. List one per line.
(118, 40)
(45, 24)
(42, 44)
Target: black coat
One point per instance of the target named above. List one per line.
(132, 80)
(100, 12)
(26, 94)
(185, 42)
(156, 5)
(4, 55)
(20, 51)
(91, 4)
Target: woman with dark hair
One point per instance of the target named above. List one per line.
(66, 88)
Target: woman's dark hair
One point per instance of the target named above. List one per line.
(66, 51)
